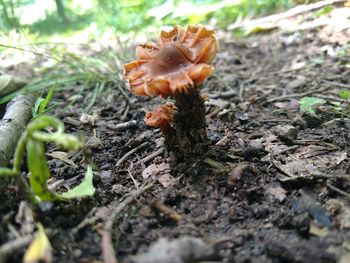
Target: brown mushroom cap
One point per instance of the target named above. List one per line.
(177, 63)
(161, 117)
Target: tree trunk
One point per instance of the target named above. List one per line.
(5, 14)
(61, 11)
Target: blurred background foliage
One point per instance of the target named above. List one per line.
(82, 44)
(45, 18)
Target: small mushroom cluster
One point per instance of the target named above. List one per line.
(176, 66)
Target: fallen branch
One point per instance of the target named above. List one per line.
(298, 10)
(12, 125)
(297, 95)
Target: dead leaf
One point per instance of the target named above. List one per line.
(221, 104)
(166, 180)
(292, 104)
(318, 231)
(89, 119)
(310, 160)
(277, 192)
(94, 143)
(63, 156)
(39, 249)
(155, 170)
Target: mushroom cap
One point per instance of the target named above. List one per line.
(177, 63)
(161, 116)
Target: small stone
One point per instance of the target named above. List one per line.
(77, 253)
(286, 132)
(242, 116)
(298, 82)
(106, 176)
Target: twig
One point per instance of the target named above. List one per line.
(19, 243)
(123, 125)
(133, 179)
(30, 51)
(241, 91)
(15, 244)
(336, 189)
(290, 148)
(335, 120)
(331, 98)
(108, 252)
(296, 95)
(122, 159)
(151, 156)
(276, 120)
(315, 178)
(224, 95)
(341, 85)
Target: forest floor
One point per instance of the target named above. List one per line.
(277, 192)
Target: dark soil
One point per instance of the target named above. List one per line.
(274, 189)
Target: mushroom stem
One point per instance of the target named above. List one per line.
(166, 129)
(189, 138)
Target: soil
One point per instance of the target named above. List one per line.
(275, 188)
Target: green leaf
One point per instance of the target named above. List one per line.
(307, 104)
(318, 61)
(344, 94)
(324, 11)
(85, 188)
(48, 98)
(41, 103)
(39, 171)
(37, 106)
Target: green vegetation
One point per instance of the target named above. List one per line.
(337, 106)
(48, 17)
(33, 141)
(40, 106)
(307, 105)
(53, 29)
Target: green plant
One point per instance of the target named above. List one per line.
(342, 108)
(67, 69)
(307, 105)
(33, 141)
(40, 106)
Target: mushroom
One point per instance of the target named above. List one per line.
(176, 66)
(161, 117)
(180, 61)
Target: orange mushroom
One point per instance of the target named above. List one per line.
(179, 62)
(161, 117)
